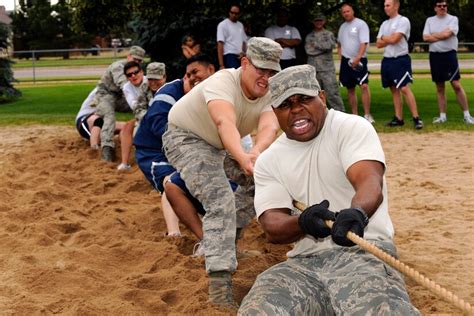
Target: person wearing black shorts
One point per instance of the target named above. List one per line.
(396, 63)
(441, 32)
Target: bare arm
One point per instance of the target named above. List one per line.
(267, 130)
(280, 226)
(220, 54)
(389, 39)
(360, 53)
(288, 42)
(223, 115)
(366, 176)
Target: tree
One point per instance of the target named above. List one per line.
(7, 91)
(39, 25)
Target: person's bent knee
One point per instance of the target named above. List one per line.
(98, 122)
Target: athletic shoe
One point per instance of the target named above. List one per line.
(198, 250)
(395, 122)
(369, 118)
(108, 153)
(439, 120)
(469, 120)
(124, 166)
(418, 123)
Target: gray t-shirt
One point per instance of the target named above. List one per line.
(398, 24)
(351, 35)
(437, 24)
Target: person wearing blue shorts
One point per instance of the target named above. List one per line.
(148, 142)
(396, 63)
(353, 43)
(441, 32)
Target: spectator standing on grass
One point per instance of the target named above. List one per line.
(190, 46)
(110, 99)
(287, 36)
(231, 40)
(441, 32)
(318, 46)
(396, 63)
(353, 43)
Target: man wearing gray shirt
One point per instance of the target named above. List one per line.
(396, 63)
(441, 32)
(353, 43)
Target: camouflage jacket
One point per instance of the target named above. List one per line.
(142, 102)
(113, 79)
(318, 47)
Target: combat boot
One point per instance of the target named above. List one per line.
(108, 153)
(220, 288)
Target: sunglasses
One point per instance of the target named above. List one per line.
(441, 5)
(133, 73)
(263, 71)
(297, 98)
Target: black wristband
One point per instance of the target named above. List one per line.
(364, 214)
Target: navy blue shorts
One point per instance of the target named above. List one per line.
(83, 127)
(444, 66)
(156, 171)
(396, 72)
(231, 61)
(350, 77)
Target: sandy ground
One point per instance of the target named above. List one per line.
(78, 237)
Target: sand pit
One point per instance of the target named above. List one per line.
(78, 237)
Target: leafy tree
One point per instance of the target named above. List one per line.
(39, 25)
(7, 91)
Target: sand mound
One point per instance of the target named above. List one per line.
(79, 237)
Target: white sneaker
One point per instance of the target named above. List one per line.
(439, 120)
(124, 166)
(198, 249)
(469, 120)
(369, 118)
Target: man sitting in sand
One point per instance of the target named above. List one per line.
(333, 162)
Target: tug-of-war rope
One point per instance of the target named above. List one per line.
(403, 268)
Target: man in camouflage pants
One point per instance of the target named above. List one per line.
(334, 159)
(109, 99)
(204, 126)
(318, 46)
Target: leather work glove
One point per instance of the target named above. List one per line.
(312, 219)
(349, 219)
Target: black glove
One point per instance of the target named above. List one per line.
(312, 219)
(349, 219)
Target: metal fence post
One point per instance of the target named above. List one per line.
(33, 58)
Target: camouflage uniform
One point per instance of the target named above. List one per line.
(154, 70)
(207, 180)
(318, 46)
(342, 281)
(109, 99)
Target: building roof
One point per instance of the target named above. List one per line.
(4, 18)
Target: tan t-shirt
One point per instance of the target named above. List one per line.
(191, 112)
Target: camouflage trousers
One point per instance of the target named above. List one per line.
(340, 281)
(328, 82)
(202, 168)
(107, 104)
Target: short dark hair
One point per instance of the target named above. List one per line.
(435, 2)
(200, 58)
(129, 65)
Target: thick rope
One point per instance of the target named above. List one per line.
(400, 266)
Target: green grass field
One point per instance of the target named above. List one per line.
(59, 104)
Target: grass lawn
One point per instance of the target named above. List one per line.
(59, 104)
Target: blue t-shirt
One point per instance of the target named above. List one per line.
(155, 121)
